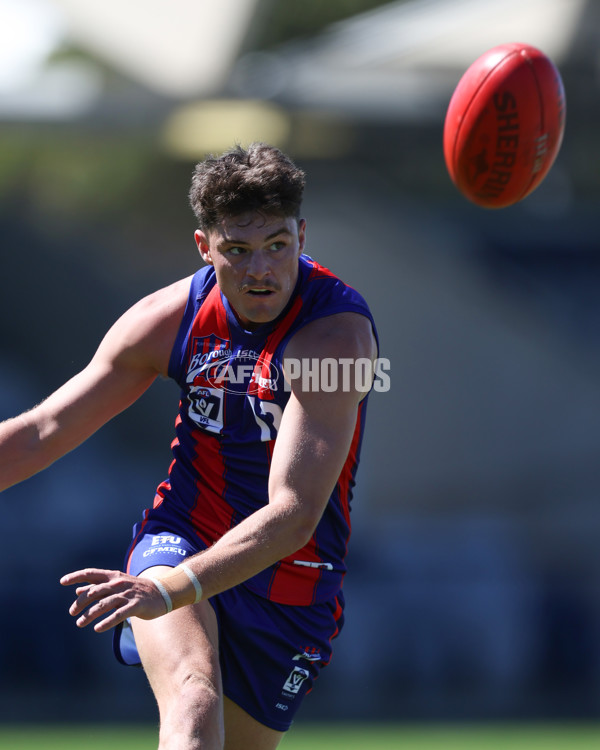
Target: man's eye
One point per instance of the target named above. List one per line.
(275, 246)
(236, 250)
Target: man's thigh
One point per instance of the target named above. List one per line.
(242, 732)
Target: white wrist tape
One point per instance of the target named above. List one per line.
(164, 593)
(194, 579)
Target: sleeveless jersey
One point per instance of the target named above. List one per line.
(232, 398)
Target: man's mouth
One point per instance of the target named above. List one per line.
(260, 291)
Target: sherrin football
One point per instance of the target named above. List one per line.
(504, 125)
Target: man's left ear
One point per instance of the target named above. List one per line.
(203, 246)
(302, 234)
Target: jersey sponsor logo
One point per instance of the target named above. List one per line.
(310, 653)
(206, 349)
(215, 365)
(165, 539)
(294, 681)
(165, 550)
(165, 544)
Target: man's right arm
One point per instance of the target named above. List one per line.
(134, 351)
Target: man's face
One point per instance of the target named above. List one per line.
(255, 258)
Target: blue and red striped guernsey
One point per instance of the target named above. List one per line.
(232, 399)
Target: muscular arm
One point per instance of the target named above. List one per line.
(311, 447)
(134, 351)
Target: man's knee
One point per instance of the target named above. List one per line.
(194, 714)
(198, 688)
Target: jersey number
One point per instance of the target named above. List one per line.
(268, 417)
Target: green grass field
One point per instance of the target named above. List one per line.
(342, 737)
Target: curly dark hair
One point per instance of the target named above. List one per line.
(260, 179)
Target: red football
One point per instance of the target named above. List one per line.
(504, 125)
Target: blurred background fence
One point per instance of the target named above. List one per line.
(474, 571)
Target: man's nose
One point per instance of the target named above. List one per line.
(258, 266)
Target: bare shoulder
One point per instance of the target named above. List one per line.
(324, 363)
(162, 305)
(146, 332)
(346, 334)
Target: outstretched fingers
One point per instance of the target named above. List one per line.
(113, 596)
(88, 575)
(114, 607)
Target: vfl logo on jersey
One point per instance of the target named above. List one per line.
(205, 404)
(292, 685)
(205, 407)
